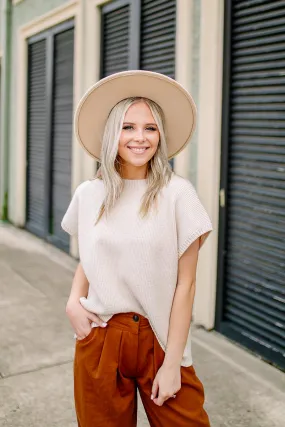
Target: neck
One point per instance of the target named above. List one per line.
(134, 173)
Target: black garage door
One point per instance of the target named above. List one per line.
(251, 300)
(49, 138)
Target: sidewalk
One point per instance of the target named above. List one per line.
(37, 348)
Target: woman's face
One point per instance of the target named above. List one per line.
(139, 136)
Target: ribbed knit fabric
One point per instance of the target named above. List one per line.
(131, 263)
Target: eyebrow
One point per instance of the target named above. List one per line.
(130, 123)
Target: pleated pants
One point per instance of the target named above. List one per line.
(112, 363)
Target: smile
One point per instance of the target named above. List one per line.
(138, 150)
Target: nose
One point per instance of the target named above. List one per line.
(139, 136)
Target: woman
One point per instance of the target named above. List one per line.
(140, 227)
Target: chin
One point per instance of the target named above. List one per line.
(136, 162)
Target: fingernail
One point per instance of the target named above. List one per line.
(104, 325)
(152, 396)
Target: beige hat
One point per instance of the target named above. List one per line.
(94, 107)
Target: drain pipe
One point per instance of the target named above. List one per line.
(5, 106)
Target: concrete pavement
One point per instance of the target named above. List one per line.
(37, 349)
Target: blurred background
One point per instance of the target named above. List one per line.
(230, 55)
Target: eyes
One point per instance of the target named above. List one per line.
(149, 128)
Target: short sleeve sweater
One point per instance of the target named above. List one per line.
(131, 263)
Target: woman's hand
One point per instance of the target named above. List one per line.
(81, 319)
(166, 384)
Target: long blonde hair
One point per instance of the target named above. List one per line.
(159, 171)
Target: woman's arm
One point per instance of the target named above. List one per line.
(182, 307)
(79, 286)
(168, 379)
(80, 318)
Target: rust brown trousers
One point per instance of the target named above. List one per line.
(112, 362)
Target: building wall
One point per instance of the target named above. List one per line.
(5, 99)
(209, 151)
(196, 19)
(187, 73)
(1, 147)
(198, 68)
(1, 27)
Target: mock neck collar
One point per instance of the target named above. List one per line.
(134, 183)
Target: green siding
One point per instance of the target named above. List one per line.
(1, 27)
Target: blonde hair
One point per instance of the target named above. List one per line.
(159, 171)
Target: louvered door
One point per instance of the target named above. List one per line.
(62, 116)
(138, 34)
(158, 26)
(253, 311)
(36, 139)
(49, 136)
(115, 38)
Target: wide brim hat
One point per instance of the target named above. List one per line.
(175, 101)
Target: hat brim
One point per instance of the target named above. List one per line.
(94, 107)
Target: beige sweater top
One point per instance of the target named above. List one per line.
(131, 263)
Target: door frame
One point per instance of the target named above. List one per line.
(70, 10)
(222, 247)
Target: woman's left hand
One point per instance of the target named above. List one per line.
(167, 383)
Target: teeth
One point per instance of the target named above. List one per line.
(138, 150)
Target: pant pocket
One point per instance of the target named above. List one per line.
(85, 339)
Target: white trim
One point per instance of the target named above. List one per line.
(49, 19)
(93, 32)
(183, 69)
(56, 16)
(98, 3)
(209, 150)
(16, 2)
(91, 66)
